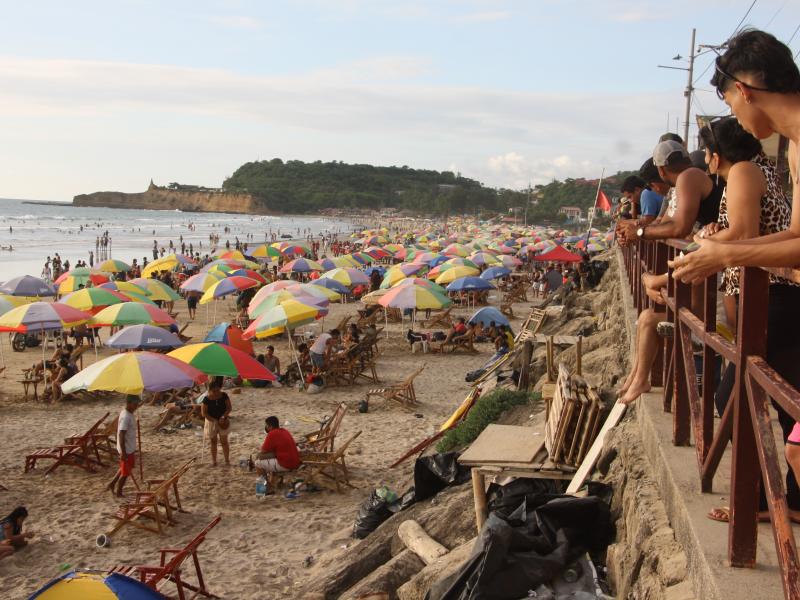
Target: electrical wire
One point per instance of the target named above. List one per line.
(794, 34)
(777, 12)
(743, 18)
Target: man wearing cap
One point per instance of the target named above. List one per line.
(126, 444)
(692, 187)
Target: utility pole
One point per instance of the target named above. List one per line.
(689, 87)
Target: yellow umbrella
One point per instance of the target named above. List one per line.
(458, 272)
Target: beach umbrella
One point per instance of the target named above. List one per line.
(85, 585)
(126, 287)
(27, 285)
(158, 290)
(249, 273)
(92, 300)
(327, 264)
(488, 314)
(131, 313)
(371, 269)
(425, 257)
(227, 286)
(143, 337)
(16, 301)
(374, 297)
(5, 306)
(509, 261)
(456, 272)
(80, 278)
(275, 298)
(42, 316)
(347, 277)
(202, 281)
(134, 373)
(167, 263)
(413, 297)
(301, 265)
(456, 250)
(293, 249)
(217, 359)
(288, 314)
(495, 272)
(400, 272)
(265, 251)
(426, 283)
(484, 258)
(230, 335)
(470, 284)
(230, 255)
(112, 265)
(331, 284)
(377, 253)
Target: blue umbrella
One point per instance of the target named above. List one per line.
(486, 315)
(328, 264)
(469, 284)
(378, 268)
(27, 285)
(439, 259)
(331, 284)
(88, 584)
(495, 273)
(144, 337)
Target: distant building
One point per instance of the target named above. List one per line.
(573, 212)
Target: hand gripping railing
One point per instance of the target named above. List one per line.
(746, 420)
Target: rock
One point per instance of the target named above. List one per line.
(680, 591)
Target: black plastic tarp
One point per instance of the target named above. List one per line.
(527, 542)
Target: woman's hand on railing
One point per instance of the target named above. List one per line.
(707, 231)
(694, 267)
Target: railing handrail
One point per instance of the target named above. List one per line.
(746, 420)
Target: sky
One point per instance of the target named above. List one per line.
(107, 95)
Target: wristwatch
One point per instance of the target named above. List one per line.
(640, 232)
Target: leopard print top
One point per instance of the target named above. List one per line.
(776, 215)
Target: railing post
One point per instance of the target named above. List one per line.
(751, 340)
(681, 415)
(669, 346)
(709, 370)
(659, 267)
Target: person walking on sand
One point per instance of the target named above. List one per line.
(126, 445)
(216, 409)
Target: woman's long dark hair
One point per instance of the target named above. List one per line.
(14, 516)
(728, 139)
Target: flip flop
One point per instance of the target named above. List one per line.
(723, 515)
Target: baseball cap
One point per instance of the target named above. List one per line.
(669, 152)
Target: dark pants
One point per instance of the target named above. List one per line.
(783, 355)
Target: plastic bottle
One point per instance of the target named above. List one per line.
(261, 487)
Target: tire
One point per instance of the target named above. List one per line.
(18, 342)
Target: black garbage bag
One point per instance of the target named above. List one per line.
(435, 472)
(530, 546)
(374, 511)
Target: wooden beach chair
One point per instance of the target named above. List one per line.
(507, 305)
(442, 319)
(181, 336)
(169, 568)
(401, 392)
(77, 451)
(343, 323)
(324, 438)
(371, 320)
(152, 505)
(329, 464)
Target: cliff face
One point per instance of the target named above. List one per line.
(188, 201)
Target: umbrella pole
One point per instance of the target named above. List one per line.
(296, 358)
(2, 357)
(139, 444)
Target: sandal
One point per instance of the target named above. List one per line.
(723, 515)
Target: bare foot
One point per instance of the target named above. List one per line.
(627, 383)
(634, 391)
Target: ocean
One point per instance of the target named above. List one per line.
(36, 231)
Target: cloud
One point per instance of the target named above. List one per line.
(483, 17)
(237, 21)
(359, 111)
(637, 16)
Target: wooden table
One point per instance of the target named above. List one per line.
(27, 383)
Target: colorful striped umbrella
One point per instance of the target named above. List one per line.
(229, 285)
(293, 249)
(134, 373)
(400, 272)
(112, 265)
(143, 337)
(80, 585)
(347, 277)
(202, 281)
(6, 306)
(251, 274)
(27, 285)
(289, 314)
(457, 250)
(484, 258)
(456, 272)
(230, 255)
(218, 359)
(158, 289)
(15, 301)
(93, 300)
(331, 285)
(126, 287)
(470, 284)
(167, 263)
(42, 316)
(495, 272)
(267, 302)
(131, 313)
(426, 283)
(413, 296)
(265, 251)
(301, 265)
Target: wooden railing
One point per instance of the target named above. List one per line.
(746, 420)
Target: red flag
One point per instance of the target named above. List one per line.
(602, 202)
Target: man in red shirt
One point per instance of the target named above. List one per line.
(278, 452)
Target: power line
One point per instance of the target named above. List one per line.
(775, 15)
(743, 18)
(794, 34)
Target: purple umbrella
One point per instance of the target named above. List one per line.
(144, 337)
(27, 285)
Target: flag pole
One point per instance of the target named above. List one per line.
(596, 197)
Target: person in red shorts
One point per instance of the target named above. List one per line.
(278, 452)
(126, 444)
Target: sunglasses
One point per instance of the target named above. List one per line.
(710, 124)
(728, 77)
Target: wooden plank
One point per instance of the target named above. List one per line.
(587, 466)
(506, 443)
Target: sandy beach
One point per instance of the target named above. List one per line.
(258, 549)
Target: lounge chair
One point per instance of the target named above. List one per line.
(329, 464)
(442, 319)
(169, 568)
(77, 451)
(401, 392)
(153, 504)
(181, 336)
(324, 438)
